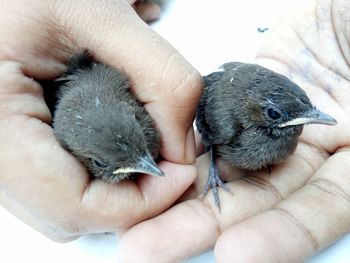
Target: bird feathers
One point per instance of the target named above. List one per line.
(240, 110)
(100, 121)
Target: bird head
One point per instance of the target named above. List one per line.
(109, 140)
(280, 105)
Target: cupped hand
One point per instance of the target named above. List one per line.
(303, 205)
(40, 182)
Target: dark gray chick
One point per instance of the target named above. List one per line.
(98, 120)
(252, 117)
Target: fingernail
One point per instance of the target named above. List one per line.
(190, 147)
(149, 11)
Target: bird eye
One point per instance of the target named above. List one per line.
(99, 163)
(273, 114)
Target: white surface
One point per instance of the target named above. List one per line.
(208, 33)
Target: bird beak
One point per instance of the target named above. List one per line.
(312, 117)
(145, 165)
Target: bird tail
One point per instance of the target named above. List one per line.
(83, 60)
(79, 61)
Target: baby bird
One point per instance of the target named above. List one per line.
(98, 120)
(251, 117)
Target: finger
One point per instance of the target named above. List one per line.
(19, 94)
(55, 233)
(306, 222)
(200, 148)
(147, 10)
(161, 77)
(106, 207)
(182, 231)
(193, 226)
(28, 141)
(31, 39)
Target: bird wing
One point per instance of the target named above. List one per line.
(214, 120)
(52, 87)
(201, 123)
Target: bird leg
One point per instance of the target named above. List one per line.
(214, 179)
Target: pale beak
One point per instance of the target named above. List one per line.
(145, 165)
(312, 117)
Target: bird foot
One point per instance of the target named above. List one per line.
(213, 182)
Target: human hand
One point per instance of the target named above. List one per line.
(41, 183)
(302, 206)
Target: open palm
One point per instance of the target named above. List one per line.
(302, 206)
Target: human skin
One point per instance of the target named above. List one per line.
(303, 205)
(40, 182)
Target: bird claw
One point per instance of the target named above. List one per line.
(213, 182)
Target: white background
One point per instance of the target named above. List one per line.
(208, 33)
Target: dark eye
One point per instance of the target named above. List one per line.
(273, 114)
(99, 163)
